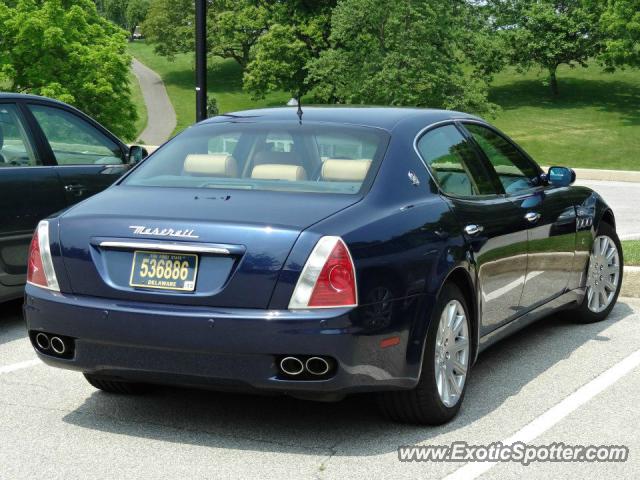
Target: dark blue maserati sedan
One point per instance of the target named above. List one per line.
(317, 254)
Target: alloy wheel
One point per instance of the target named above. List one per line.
(452, 353)
(603, 275)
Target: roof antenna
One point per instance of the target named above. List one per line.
(300, 112)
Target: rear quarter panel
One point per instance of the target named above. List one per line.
(590, 210)
(404, 241)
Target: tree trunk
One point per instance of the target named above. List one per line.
(553, 81)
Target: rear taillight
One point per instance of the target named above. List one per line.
(328, 279)
(40, 270)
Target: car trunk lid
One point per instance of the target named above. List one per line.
(241, 240)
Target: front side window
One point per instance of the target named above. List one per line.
(516, 172)
(277, 156)
(454, 164)
(15, 148)
(75, 141)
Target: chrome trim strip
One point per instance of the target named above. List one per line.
(424, 131)
(454, 121)
(169, 247)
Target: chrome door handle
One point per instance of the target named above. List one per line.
(473, 229)
(75, 189)
(532, 217)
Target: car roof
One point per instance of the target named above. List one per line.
(386, 118)
(24, 96)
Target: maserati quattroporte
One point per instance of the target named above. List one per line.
(342, 250)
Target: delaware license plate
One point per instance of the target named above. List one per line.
(164, 271)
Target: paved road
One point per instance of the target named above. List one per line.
(624, 198)
(160, 113)
(54, 425)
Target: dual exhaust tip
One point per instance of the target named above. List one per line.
(294, 366)
(54, 343)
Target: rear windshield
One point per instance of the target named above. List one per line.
(282, 156)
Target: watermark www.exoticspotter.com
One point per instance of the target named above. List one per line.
(516, 452)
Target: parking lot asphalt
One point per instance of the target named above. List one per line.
(54, 425)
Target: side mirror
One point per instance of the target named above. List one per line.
(561, 176)
(137, 154)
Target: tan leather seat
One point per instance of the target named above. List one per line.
(212, 165)
(334, 170)
(276, 171)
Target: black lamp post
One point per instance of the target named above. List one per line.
(201, 60)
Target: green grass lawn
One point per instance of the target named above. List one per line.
(224, 79)
(593, 123)
(136, 96)
(631, 251)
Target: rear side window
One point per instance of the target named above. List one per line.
(75, 141)
(454, 163)
(15, 147)
(516, 172)
(278, 156)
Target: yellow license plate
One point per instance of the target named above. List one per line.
(164, 271)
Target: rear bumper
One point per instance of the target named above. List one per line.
(230, 349)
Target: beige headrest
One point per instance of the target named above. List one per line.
(279, 172)
(335, 170)
(214, 165)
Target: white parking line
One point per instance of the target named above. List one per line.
(556, 413)
(19, 366)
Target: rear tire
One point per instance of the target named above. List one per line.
(115, 386)
(603, 269)
(424, 404)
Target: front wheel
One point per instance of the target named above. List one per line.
(445, 367)
(604, 276)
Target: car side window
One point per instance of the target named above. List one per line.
(516, 172)
(454, 164)
(15, 148)
(75, 141)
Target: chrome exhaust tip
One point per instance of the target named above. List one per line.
(42, 341)
(291, 366)
(58, 346)
(317, 366)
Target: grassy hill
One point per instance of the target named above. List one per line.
(138, 100)
(593, 123)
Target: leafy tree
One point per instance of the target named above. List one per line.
(170, 27)
(127, 14)
(136, 13)
(272, 40)
(279, 63)
(298, 33)
(233, 27)
(621, 26)
(400, 52)
(549, 33)
(113, 10)
(64, 49)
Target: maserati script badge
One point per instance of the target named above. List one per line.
(162, 232)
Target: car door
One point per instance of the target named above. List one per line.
(548, 211)
(87, 159)
(494, 226)
(29, 191)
